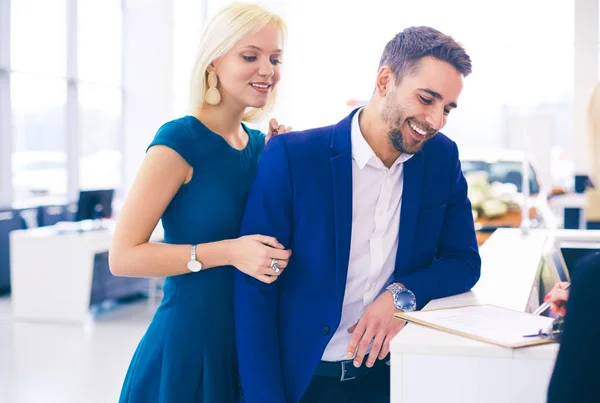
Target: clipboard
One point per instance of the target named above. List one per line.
(486, 323)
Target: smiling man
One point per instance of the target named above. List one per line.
(375, 210)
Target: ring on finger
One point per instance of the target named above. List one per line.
(275, 265)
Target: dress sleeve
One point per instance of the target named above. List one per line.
(177, 137)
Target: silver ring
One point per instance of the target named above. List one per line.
(275, 265)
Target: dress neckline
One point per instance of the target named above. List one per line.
(238, 150)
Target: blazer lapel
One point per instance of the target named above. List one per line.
(411, 197)
(341, 171)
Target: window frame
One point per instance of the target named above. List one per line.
(73, 133)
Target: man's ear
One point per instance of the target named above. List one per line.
(385, 79)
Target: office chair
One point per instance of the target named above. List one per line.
(10, 220)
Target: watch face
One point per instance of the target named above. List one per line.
(194, 265)
(405, 300)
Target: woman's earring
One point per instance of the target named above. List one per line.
(212, 96)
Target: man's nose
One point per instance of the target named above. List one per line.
(436, 118)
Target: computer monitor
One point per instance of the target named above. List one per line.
(561, 267)
(574, 251)
(94, 204)
(564, 256)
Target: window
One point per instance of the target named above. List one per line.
(38, 38)
(100, 158)
(100, 96)
(38, 119)
(38, 99)
(65, 81)
(99, 50)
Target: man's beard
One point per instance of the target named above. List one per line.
(393, 116)
(396, 139)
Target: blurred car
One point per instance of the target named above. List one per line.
(42, 174)
(39, 174)
(506, 167)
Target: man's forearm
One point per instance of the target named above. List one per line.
(445, 277)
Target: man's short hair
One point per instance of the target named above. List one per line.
(403, 53)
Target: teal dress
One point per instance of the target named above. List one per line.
(188, 352)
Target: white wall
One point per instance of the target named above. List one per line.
(147, 77)
(585, 77)
(5, 116)
(522, 77)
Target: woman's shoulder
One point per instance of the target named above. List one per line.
(181, 135)
(185, 124)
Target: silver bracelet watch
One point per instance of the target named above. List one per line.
(193, 264)
(404, 298)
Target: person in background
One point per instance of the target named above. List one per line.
(593, 123)
(576, 372)
(375, 209)
(576, 375)
(592, 212)
(195, 177)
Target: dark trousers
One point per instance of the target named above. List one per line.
(374, 387)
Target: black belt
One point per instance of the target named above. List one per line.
(345, 370)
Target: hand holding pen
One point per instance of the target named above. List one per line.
(556, 299)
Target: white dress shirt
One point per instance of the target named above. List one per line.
(376, 202)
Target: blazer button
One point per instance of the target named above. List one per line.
(326, 330)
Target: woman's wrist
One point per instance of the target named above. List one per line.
(216, 254)
(229, 252)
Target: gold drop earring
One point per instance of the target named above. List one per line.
(212, 96)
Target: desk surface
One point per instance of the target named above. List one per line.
(509, 270)
(510, 265)
(66, 230)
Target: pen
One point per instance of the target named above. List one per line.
(546, 305)
(543, 335)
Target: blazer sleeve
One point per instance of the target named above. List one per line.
(458, 264)
(268, 212)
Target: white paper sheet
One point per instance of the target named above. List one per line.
(486, 322)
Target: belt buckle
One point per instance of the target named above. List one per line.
(344, 370)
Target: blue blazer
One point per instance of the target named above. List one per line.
(302, 195)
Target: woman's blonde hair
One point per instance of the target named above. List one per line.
(227, 28)
(594, 134)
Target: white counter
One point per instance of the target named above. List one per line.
(51, 270)
(433, 366)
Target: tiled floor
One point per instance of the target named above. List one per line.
(52, 363)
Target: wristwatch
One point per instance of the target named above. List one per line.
(194, 265)
(404, 298)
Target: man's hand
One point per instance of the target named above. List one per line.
(378, 325)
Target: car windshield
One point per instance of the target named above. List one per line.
(504, 172)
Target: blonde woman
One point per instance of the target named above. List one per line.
(196, 176)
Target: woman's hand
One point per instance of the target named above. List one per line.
(254, 255)
(275, 129)
(559, 297)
